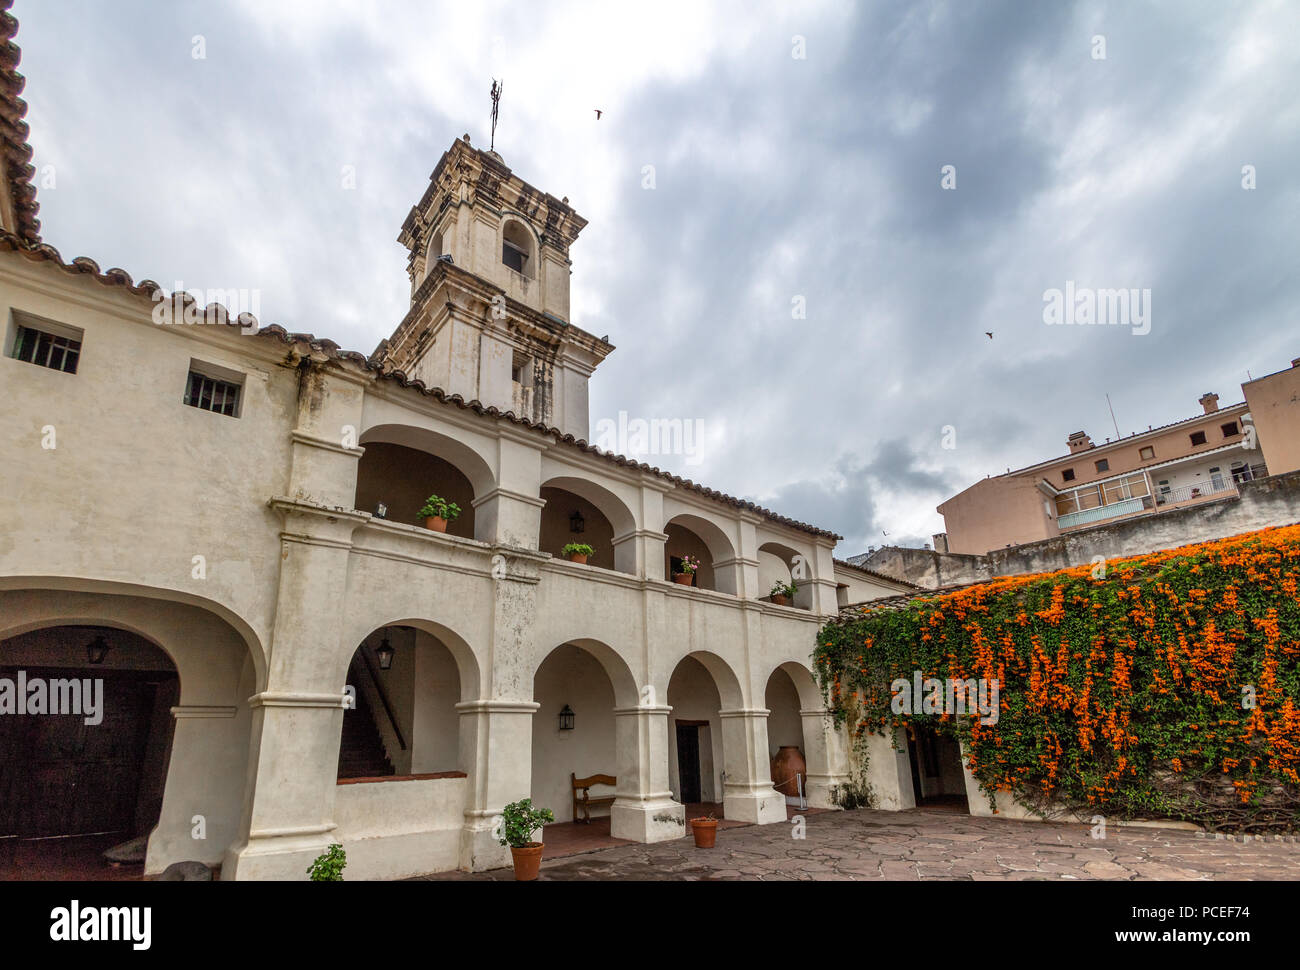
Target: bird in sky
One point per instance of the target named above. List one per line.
(598, 113)
(989, 334)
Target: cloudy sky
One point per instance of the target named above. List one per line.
(798, 162)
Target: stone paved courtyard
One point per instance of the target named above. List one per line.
(917, 844)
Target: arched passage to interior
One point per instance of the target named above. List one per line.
(403, 466)
(796, 730)
(585, 681)
(697, 537)
(161, 735)
(701, 687)
(403, 683)
(579, 511)
(83, 761)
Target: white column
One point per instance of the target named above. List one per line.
(826, 751)
(748, 795)
(644, 810)
(496, 748)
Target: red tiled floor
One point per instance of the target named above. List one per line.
(573, 838)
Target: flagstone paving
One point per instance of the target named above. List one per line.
(916, 845)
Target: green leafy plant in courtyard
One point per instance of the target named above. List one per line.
(577, 549)
(519, 820)
(329, 865)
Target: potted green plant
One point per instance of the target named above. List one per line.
(437, 512)
(687, 576)
(519, 820)
(783, 593)
(329, 865)
(577, 552)
(705, 830)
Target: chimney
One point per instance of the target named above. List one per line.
(1079, 441)
(1210, 402)
(1296, 362)
(940, 541)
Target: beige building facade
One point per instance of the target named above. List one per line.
(1187, 463)
(218, 522)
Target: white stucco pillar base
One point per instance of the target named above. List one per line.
(496, 738)
(747, 793)
(291, 798)
(644, 810)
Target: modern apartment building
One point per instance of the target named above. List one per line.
(1199, 459)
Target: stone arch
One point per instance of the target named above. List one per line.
(519, 247)
(403, 465)
(467, 663)
(684, 527)
(569, 678)
(620, 553)
(219, 663)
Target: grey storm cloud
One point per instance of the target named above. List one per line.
(777, 182)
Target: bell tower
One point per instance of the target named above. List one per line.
(489, 317)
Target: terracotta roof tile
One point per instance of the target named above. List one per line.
(14, 148)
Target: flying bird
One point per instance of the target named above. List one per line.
(598, 113)
(989, 334)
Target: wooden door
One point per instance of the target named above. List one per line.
(688, 761)
(61, 776)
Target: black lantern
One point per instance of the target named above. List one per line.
(385, 653)
(566, 719)
(576, 522)
(96, 649)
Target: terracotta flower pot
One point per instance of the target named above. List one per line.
(780, 600)
(705, 831)
(788, 763)
(528, 861)
(436, 522)
(684, 579)
(578, 557)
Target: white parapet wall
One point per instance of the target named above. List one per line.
(400, 827)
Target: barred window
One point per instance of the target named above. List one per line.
(45, 349)
(212, 394)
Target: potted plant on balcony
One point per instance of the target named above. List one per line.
(687, 576)
(519, 820)
(577, 552)
(705, 830)
(437, 512)
(783, 593)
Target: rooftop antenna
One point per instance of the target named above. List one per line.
(497, 88)
(1112, 417)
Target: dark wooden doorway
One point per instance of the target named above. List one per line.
(60, 776)
(688, 761)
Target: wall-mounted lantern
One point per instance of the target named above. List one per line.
(96, 649)
(381, 511)
(566, 719)
(385, 653)
(576, 522)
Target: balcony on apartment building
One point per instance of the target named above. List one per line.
(1158, 488)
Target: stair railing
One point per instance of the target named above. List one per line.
(383, 697)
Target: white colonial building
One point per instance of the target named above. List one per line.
(219, 522)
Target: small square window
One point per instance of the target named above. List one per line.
(1147, 453)
(1198, 438)
(1067, 475)
(212, 388)
(1229, 429)
(1103, 464)
(46, 344)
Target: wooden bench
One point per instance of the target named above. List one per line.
(586, 802)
